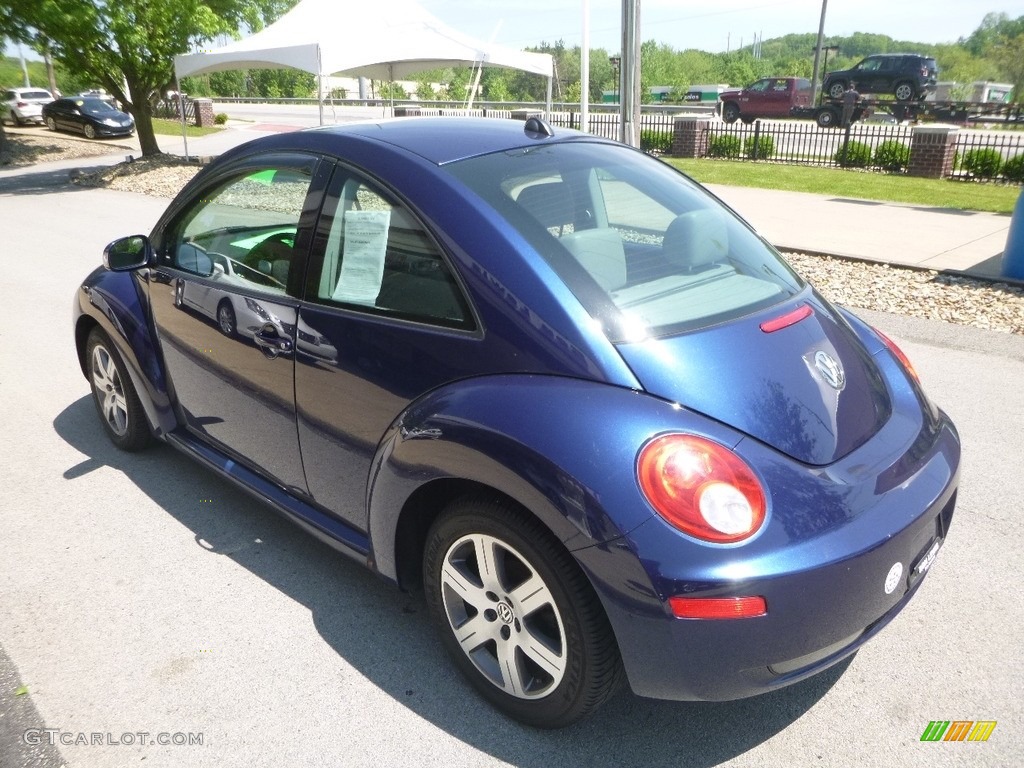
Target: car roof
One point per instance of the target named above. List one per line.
(443, 140)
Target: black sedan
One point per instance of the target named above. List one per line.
(89, 115)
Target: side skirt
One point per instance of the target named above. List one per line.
(333, 532)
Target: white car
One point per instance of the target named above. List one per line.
(24, 105)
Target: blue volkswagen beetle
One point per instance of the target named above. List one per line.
(550, 381)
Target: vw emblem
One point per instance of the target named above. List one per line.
(830, 369)
(505, 613)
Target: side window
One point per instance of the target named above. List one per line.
(378, 257)
(242, 233)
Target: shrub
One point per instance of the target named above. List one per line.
(983, 162)
(220, 118)
(892, 155)
(724, 146)
(1013, 170)
(765, 147)
(856, 154)
(656, 141)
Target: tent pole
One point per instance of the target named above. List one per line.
(320, 83)
(181, 111)
(547, 113)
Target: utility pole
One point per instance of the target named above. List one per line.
(817, 53)
(629, 101)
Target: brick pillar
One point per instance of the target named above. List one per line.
(690, 136)
(932, 150)
(204, 113)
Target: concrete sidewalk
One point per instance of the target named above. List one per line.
(917, 236)
(943, 239)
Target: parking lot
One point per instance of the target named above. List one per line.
(143, 595)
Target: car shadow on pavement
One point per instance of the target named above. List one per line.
(386, 636)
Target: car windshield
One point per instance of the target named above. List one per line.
(96, 107)
(645, 249)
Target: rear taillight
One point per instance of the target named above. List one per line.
(898, 354)
(21, 104)
(718, 607)
(702, 488)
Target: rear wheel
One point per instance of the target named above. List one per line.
(516, 614)
(905, 92)
(835, 89)
(116, 400)
(730, 112)
(90, 132)
(51, 124)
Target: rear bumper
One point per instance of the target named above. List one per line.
(826, 594)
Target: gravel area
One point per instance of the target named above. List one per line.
(859, 285)
(27, 146)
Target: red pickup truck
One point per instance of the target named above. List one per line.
(768, 97)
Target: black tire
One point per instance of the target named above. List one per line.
(51, 124)
(90, 132)
(904, 91)
(226, 320)
(730, 112)
(114, 395)
(547, 664)
(827, 118)
(748, 120)
(836, 89)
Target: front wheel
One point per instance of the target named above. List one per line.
(51, 124)
(90, 132)
(226, 318)
(516, 614)
(114, 395)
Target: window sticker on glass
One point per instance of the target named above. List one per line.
(362, 261)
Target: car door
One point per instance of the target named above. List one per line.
(229, 349)
(384, 321)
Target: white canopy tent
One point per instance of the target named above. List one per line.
(380, 39)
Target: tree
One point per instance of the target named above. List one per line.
(128, 46)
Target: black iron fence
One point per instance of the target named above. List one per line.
(606, 124)
(989, 155)
(804, 143)
(170, 109)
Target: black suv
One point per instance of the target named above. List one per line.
(907, 76)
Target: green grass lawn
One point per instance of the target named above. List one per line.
(939, 193)
(162, 127)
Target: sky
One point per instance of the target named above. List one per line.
(715, 26)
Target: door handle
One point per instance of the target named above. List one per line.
(271, 343)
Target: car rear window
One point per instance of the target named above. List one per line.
(36, 95)
(645, 249)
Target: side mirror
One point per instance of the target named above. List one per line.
(128, 253)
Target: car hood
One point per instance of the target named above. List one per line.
(809, 389)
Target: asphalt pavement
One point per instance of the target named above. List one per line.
(143, 599)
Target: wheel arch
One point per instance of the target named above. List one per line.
(112, 302)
